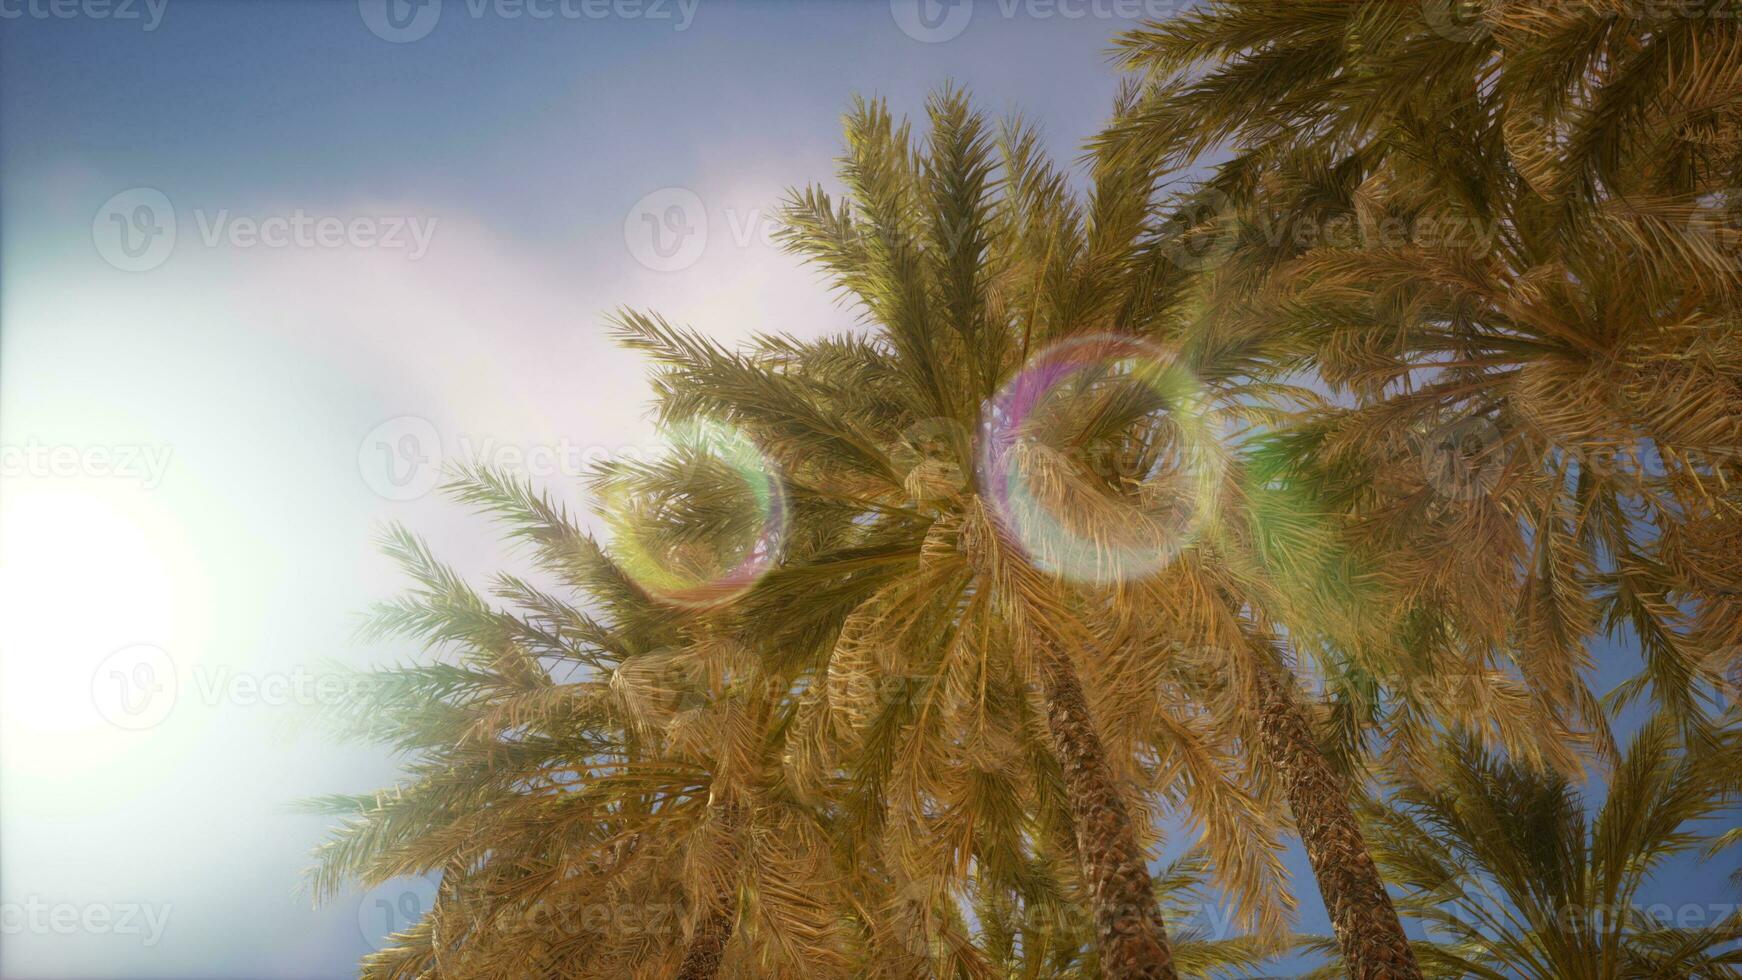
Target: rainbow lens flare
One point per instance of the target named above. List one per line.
(703, 523)
(1100, 458)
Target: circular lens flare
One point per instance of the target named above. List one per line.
(1100, 459)
(706, 523)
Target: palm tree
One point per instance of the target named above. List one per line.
(1514, 875)
(972, 263)
(1515, 395)
(1065, 947)
(1590, 102)
(1538, 262)
(591, 791)
(595, 790)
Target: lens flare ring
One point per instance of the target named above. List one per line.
(1045, 501)
(700, 575)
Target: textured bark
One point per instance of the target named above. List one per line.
(1129, 933)
(707, 948)
(1368, 929)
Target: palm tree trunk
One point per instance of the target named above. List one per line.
(1128, 929)
(707, 948)
(1368, 929)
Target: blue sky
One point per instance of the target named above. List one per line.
(493, 187)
